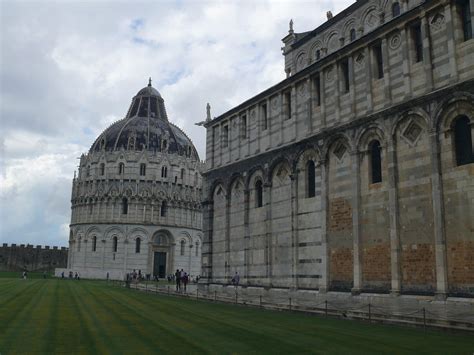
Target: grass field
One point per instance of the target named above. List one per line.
(69, 316)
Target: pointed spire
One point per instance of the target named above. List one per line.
(149, 81)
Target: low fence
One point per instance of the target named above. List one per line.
(421, 317)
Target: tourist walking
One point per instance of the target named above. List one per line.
(185, 280)
(178, 280)
(236, 279)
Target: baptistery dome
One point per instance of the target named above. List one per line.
(136, 200)
(146, 127)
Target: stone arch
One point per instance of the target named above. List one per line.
(348, 25)
(186, 236)
(417, 113)
(94, 230)
(304, 155)
(306, 163)
(219, 190)
(276, 163)
(373, 131)
(445, 120)
(331, 41)
(138, 232)
(317, 45)
(163, 237)
(386, 7)
(114, 231)
(215, 184)
(369, 19)
(198, 238)
(451, 108)
(282, 168)
(236, 177)
(256, 171)
(339, 137)
(301, 60)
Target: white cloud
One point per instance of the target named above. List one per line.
(69, 69)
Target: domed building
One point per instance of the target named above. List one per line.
(136, 201)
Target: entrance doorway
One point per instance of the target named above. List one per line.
(159, 264)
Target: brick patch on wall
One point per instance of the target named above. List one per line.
(460, 263)
(376, 263)
(340, 215)
(418, 264)
(341, 265)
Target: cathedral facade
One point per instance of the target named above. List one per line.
(136, 201)
(355, 173)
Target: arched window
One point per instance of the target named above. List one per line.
(163, 209)
(114, 244)
(182, 245)
(182, 174)
(91, 207)
(352, 35)
(79, 244)
(121, 168)
(464, 10)
(463, 141)
(102, 169)
(94, 243)
(375, 162)
(164, 145)
(197, 248)
(142, 169)
(88, 171)
(137, 245)
(258, 194)
(318, 54)
(395, 9)
(124, 206)
(196, 177)
(310, 179)
(164, 171)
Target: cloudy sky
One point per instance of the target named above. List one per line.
(70, 68)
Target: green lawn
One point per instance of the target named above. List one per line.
(69, 316)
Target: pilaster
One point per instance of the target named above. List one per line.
(406, 63)
(368, 72)
(267, 195)
(206, 250)
(394, 219)
(246, 235)
(324, 281)
(453, 66)
(386, 73)
(355, 222)
(294, 229)
(438, 213)
(427, 60)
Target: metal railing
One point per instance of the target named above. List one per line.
(368, 311)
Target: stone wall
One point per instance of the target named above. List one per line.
(411, 230)
(29, 258)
